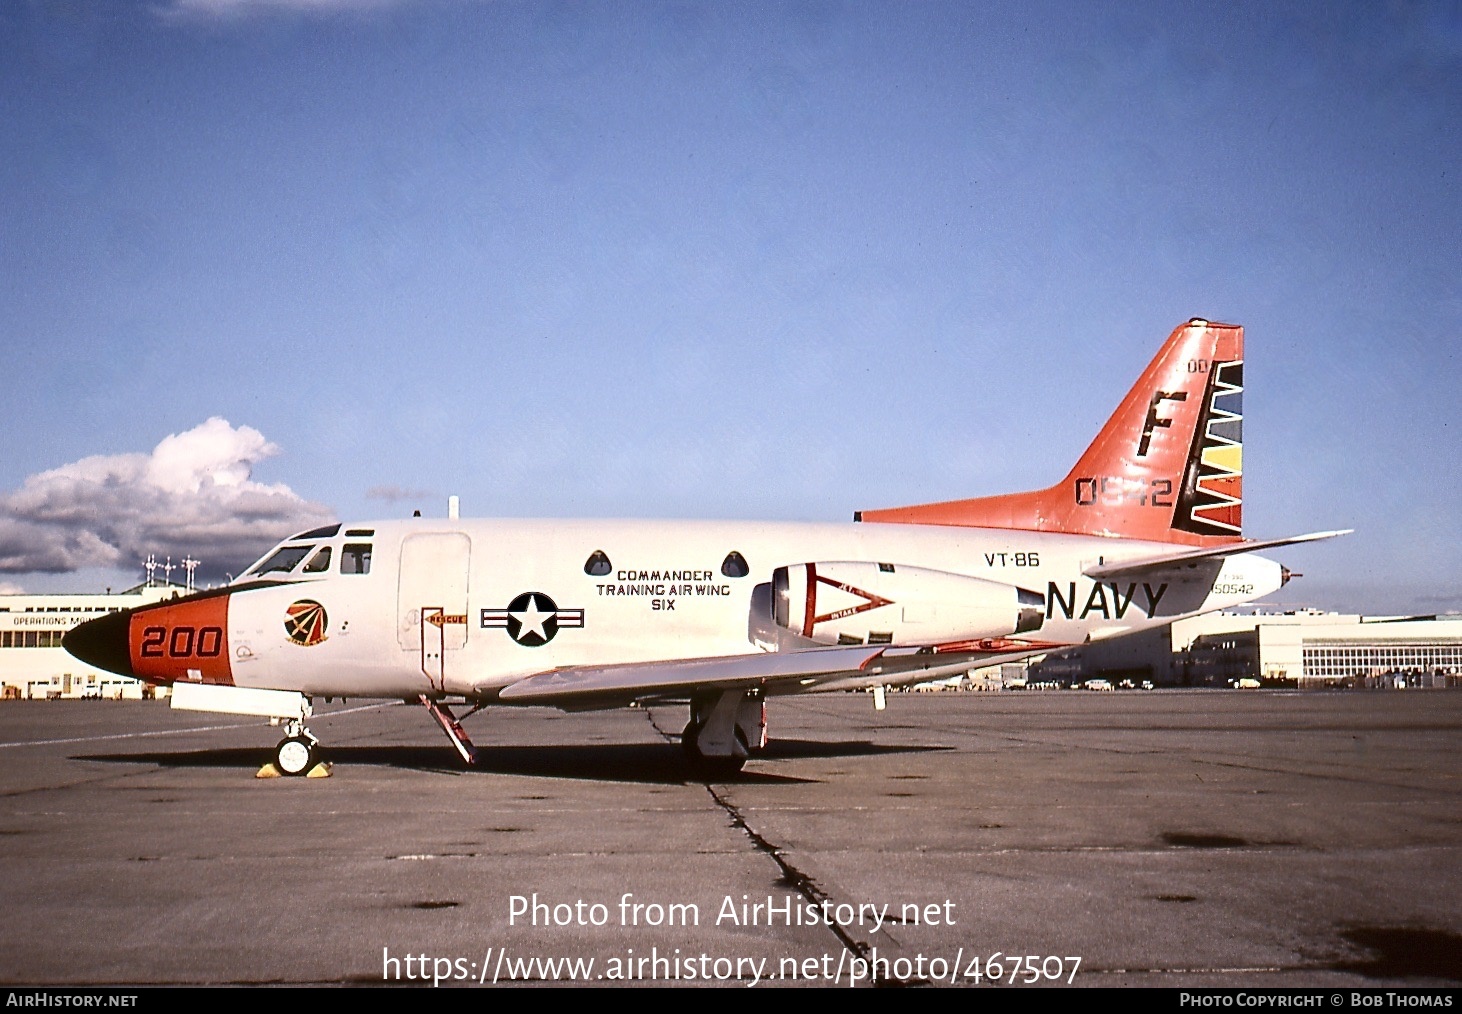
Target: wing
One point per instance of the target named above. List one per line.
(577, 688)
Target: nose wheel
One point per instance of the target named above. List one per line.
(296, 753)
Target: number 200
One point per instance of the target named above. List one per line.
(182, 642)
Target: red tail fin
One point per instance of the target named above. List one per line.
(1166, 467)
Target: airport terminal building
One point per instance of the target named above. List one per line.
(34, 666)
(1305, 648)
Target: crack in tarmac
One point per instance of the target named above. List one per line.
(799, 881)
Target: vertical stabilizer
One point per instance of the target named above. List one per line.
(1166, 467)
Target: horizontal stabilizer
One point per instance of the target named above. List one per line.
(1122, 568)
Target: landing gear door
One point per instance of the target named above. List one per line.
(431, 604)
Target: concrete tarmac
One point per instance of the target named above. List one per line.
(1169, 838)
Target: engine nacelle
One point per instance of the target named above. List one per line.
(856, 602)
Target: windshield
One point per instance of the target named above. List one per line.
(282, 560)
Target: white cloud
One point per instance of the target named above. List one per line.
(192, 494)
(11, 588)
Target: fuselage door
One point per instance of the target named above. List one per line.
(432, 599)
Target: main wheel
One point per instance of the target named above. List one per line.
(710, 767)
(687, 740)
(295, 755)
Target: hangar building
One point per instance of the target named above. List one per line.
(1307, 648)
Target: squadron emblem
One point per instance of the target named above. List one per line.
(305, 622)
(532, 619)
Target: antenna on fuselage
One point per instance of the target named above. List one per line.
(453, 507)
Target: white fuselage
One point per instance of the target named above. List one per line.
(435, 612)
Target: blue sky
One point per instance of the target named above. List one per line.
(714, 260)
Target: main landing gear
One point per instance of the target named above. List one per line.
(724, 729)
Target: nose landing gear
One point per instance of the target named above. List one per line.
(297, 751)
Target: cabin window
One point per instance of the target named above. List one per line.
(319, 563)
(355, 558)
(597, 565)
(283, 561)
(735, 565)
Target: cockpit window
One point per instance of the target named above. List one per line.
(319, 563)
(283, 560)
(355, 558)
(319, 533)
